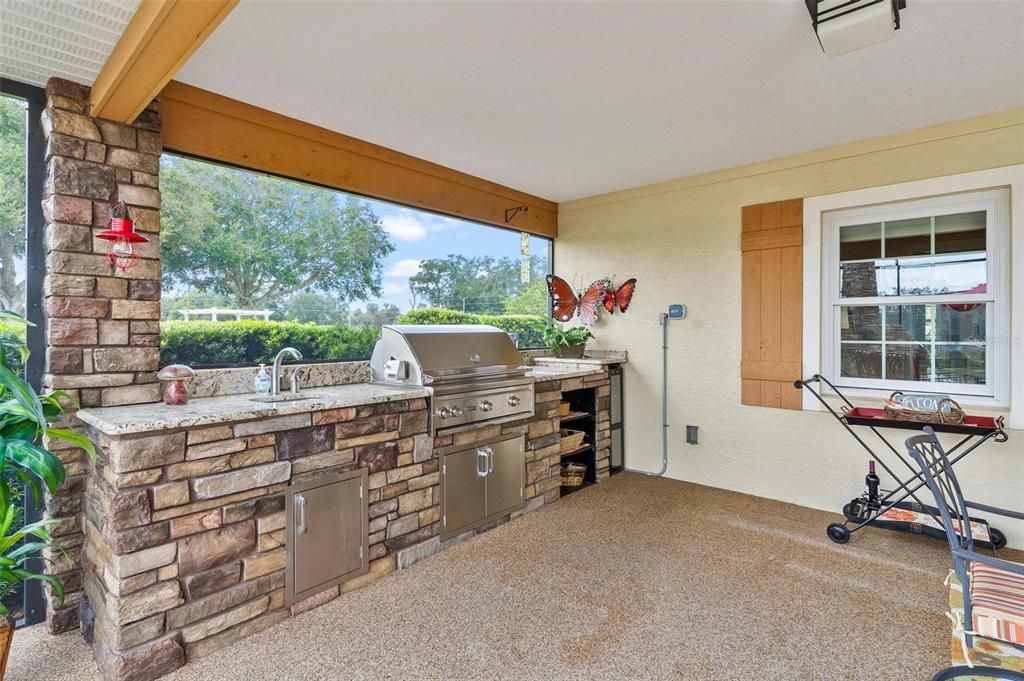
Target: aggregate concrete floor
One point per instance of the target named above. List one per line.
(636, 578)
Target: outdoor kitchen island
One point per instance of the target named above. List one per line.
(187, 536)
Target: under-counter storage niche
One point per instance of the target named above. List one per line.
(481, 483)
(581, 418)
(327, 533)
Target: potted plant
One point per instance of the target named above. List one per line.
(25, 419)
(568, 343)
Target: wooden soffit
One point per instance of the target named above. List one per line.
(158, 40)
(204, 124)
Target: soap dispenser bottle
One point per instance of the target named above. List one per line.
(262, 380)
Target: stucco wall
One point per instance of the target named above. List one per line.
(682, 240)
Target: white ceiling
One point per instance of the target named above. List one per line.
(571, 99)
(68, 39)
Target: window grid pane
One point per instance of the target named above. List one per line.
(941, 255)
(929, 343)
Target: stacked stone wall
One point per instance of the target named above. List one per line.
(102, 325)
(186, 532)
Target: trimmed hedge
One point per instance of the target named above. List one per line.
(529, 327)
(206, 343)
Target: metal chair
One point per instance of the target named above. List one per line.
(993, 589)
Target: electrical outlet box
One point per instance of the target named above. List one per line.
(676, 311)
(691, 435)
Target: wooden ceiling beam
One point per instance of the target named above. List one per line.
(200, 123)
(158, 40)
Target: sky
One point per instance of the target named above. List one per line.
(418, 235)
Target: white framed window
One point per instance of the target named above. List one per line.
(915, 295)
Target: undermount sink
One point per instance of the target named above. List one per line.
(286, 397)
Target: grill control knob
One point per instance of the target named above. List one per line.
(486, 405)
(513, 401)
(444, 412)
(456, 411)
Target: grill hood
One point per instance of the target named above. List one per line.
(423, 355)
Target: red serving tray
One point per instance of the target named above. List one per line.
(972, 425)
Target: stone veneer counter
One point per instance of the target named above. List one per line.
(184, 511)
(145, 418)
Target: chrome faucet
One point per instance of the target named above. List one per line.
(275, 374)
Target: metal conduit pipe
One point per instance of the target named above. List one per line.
(663, 319)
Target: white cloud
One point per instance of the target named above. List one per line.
(404, 268)
(405, 227)
(441, 223)
(393, 289)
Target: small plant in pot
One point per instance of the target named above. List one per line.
(25, 419)
(568, 343)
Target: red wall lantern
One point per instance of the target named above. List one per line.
(121, 238)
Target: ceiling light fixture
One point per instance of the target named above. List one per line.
(846, 25)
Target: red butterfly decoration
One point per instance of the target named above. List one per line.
(620, 297)
(565, 302)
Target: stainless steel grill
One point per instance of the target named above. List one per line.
(475, 373)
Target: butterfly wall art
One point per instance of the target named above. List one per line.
(602, 293)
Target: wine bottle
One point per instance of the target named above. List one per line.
(871, 481)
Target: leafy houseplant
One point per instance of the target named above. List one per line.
(567, 342)
(25, 419)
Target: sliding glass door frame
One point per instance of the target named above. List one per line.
(35, 272)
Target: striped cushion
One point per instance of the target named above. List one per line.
(997, 603)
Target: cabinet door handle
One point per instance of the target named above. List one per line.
(481, 458)
(490, 460)
(300, 509)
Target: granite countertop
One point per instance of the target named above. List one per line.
(550, 373)
(142, 418)
(595, 358)
(585, 362)
(204, 411)
(568, 367)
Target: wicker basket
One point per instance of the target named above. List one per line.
(563, 409)
(896, 410)
(573, 474)
(571, 439)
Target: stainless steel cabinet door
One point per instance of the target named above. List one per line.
(329, 533)
(506, 470)
(464, 489)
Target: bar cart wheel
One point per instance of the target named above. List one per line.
(838, 533)
(997, 537)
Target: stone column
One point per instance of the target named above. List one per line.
(102, 325)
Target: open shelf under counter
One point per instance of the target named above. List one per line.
(582, 408)
(579, 450)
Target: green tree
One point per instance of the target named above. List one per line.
(316, 308)
(531, 299)
(375, 316)
(12, 202)
(468, 283)
(260, 239)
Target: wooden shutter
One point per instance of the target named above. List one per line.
(772, 303)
